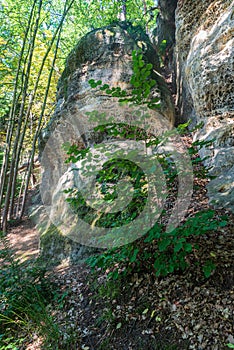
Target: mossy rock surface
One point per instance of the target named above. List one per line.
(54, 246)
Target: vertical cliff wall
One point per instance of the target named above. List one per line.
(204, 55)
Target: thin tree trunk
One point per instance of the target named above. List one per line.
(22, 134)
(123, 12)
(11, 122)
(59, 29)
(145, 12)
(15, 159)
(20, 194)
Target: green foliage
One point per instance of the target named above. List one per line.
(162, 51)
(164, 252)
(25, 294)
(14, 16)
(116, 170)
(185, 128)
(108, 178)
(75, 154)
(141, 82)
(122, 131)
(208, 268)
(199, 170)
(174, 247)
(88, 15)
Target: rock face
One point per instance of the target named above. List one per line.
(204, 57)
(104, 54)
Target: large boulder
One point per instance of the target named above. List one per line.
(104, 54)
(205, 55)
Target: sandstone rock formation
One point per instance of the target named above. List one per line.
(204, 58)
(104, 54)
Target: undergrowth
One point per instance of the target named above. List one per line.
(27, 300)
(160, 252)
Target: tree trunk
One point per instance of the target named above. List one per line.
(31, 159)
(15, 153)
(11, 122)
(123, 12)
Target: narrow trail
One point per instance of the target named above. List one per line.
(24, 239)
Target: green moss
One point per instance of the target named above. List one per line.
(54, 246)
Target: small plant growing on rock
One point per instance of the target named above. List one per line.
(141, 83)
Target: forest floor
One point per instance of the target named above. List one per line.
(181, 311)
(24, 239)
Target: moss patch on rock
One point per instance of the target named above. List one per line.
(54, 246)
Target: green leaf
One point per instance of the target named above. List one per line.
(134, 256)
(188, 247)
(91, 81)
(178, 247)
(208, 268)
(149, 66)
(162, 246)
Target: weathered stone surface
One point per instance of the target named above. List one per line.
(205, 62)
(54, 247)
(104, 54)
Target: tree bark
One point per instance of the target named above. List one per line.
(36, 135)
(12, 115)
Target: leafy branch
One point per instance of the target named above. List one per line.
(141, 82)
